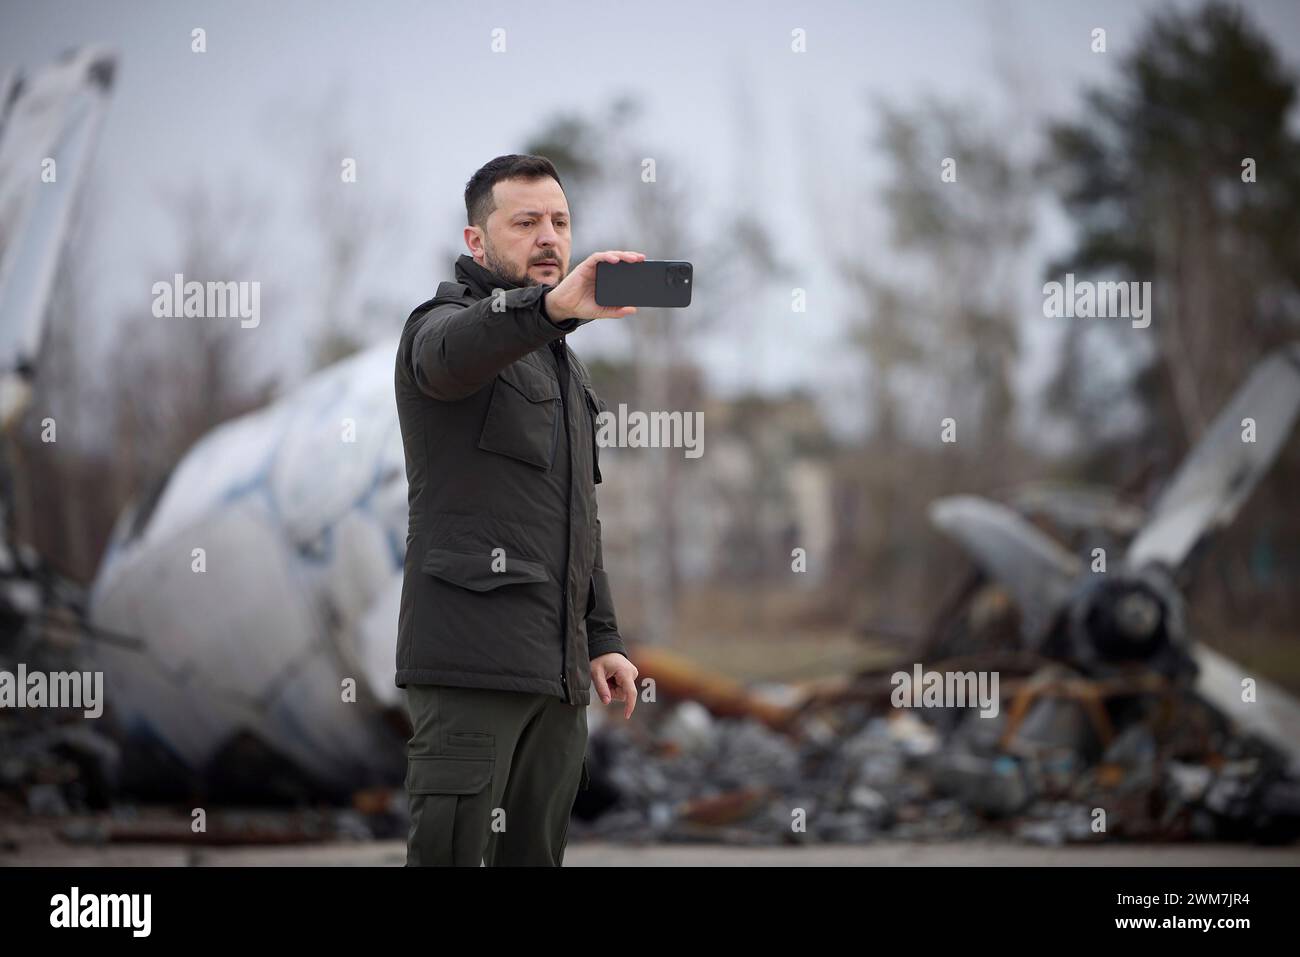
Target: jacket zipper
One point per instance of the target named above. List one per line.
(560, 357)
(555, 434)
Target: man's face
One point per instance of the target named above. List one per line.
(527, 238)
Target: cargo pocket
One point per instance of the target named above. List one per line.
(450, 810)
(523, 419)
(594, 407)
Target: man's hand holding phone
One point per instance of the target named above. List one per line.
(575, 296)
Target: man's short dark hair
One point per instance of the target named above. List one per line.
(478, 191)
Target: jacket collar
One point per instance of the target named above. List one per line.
(480, 279)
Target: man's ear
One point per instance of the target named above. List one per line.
(474, 242)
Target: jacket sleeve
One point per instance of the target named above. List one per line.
(602, 625)
(453, 350)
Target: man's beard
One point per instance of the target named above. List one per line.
(506, 271)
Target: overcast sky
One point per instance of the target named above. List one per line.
(426, 102)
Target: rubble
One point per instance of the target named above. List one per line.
(1088, 760)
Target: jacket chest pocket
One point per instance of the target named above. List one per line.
(524, 416)
(594, 407)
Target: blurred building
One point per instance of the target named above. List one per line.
(761, 487)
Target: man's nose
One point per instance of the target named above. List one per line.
(548, 236)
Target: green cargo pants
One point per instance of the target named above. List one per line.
(491, 776)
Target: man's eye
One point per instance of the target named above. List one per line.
(526, 222)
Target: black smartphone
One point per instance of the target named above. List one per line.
(655, 282)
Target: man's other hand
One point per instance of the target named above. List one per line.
(614, 669)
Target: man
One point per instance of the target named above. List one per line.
(506, 617)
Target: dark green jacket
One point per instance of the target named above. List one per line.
(504, 585)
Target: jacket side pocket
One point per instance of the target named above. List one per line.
(594, 406)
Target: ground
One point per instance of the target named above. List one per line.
(598, 854)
